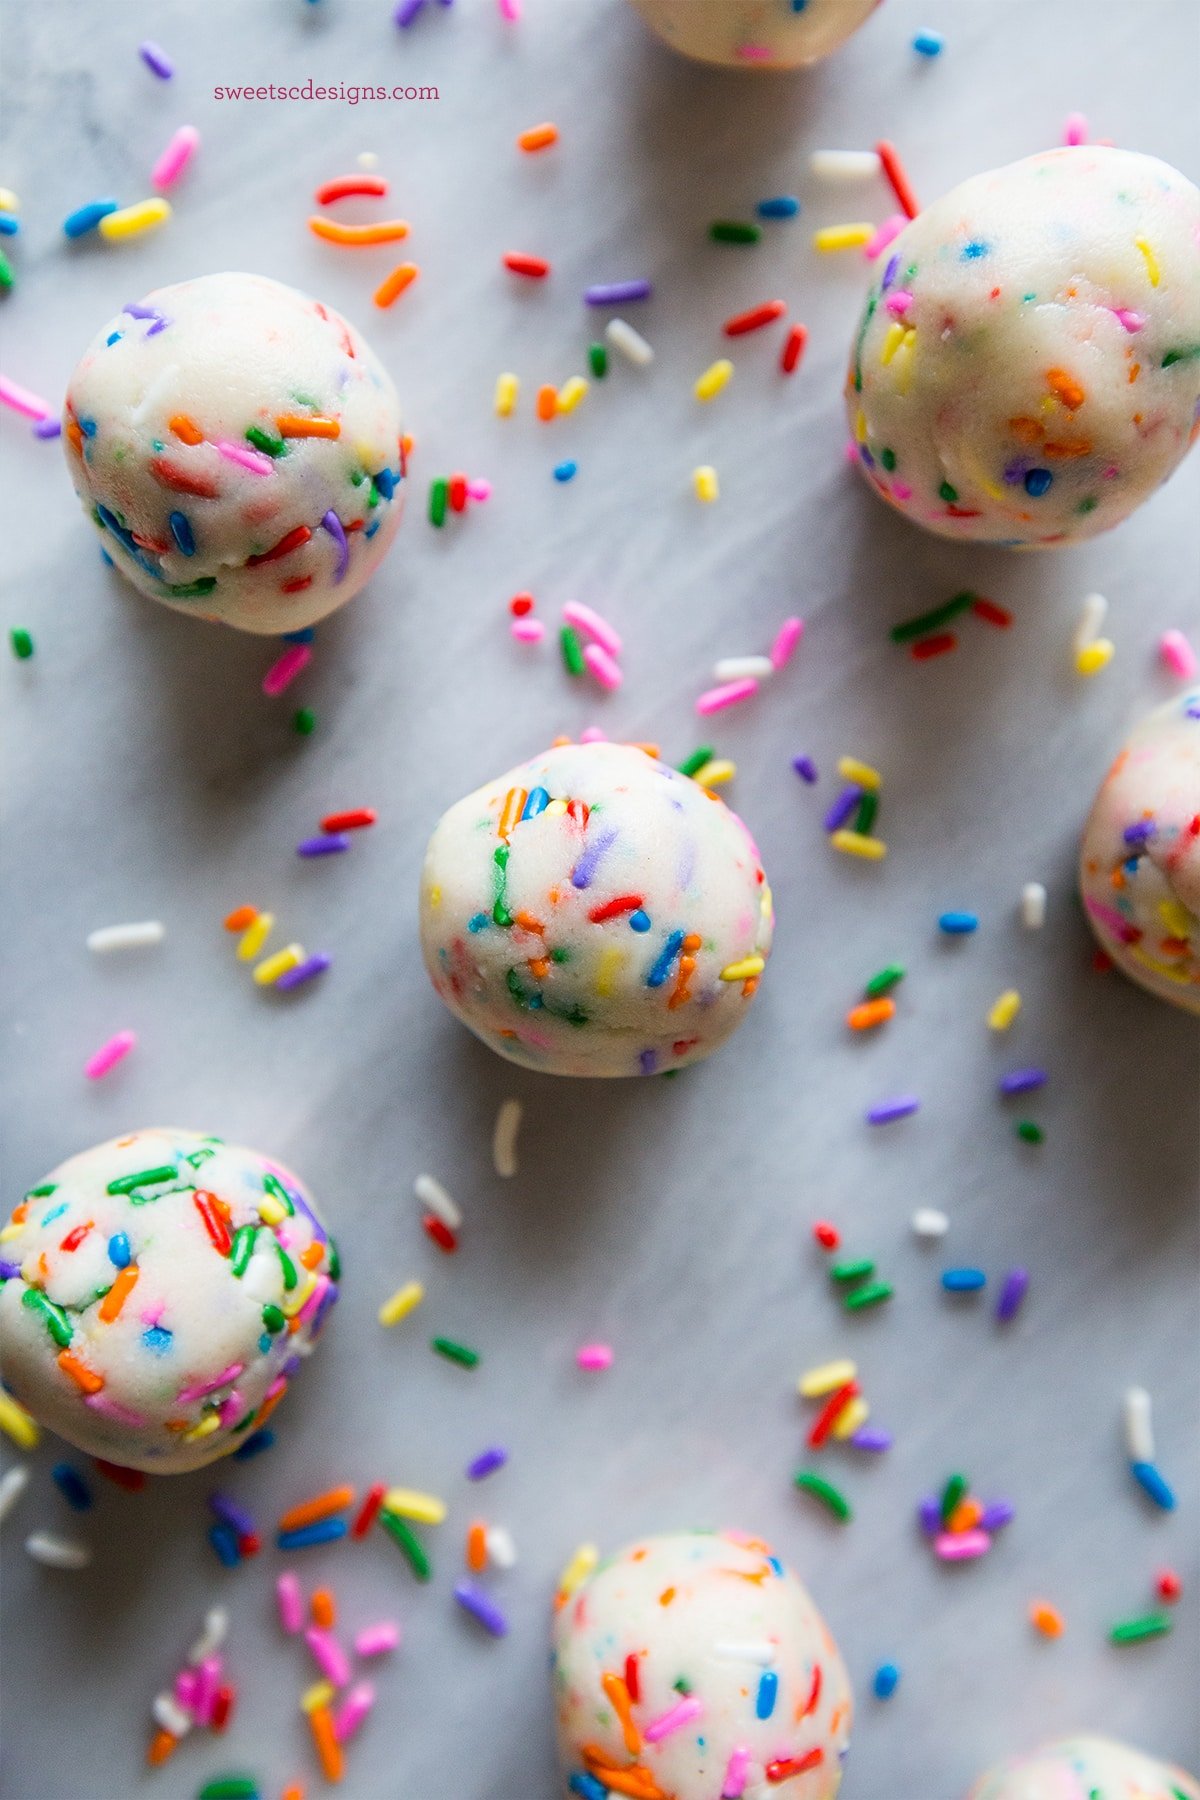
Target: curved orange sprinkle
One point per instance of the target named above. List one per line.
(514, 802)
(185, 429)
(118, 1293)
(393, 285)
(334, 232)
(297, 425)
(80, 1374)
(618, 1698)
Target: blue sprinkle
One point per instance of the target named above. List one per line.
(385, 481)
(963, 1281)
(86, 218)
(586, 1786)
(958, 924)
(805, 768)
(661, 967)
(1038, 482)
(776, 1565)
(230, 1513)
(372, 528)
(779, 206)
(305, 635)
(255, 1444)
(537, 802)
(9, 224)
(325, 1531)
(87, 426)
(119, 1253)
(565, 471)
(887, 1680)
(928, 43)
(264, 1343)
(56, 1212)
(73, 1488)
(181, 531)
(639, 920)
(768, 1689)
(974, 250)
(478, 922)
(223, 1539)
(158, 1339)
(1154, 1484)
(114, 337)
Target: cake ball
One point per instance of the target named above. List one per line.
(1086, 1768)
(595, 912)
(1026, 370)
(237, 446)
(695, 1665)
(755, 34)
(158, 1293)
(1140, 863)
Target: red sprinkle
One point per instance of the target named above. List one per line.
(441, 1233)
(784, 1767)
(612, 909)
(132, 1480)
(365, 1517)
(348, 821)
(249, 1543)
(1102, 962)
(938, 645)
(343, 187)
(222, 1708)
(827, 1235)
(300, 534)
(829, 1414)
(754, 319)
(533, 266)
(172, 476)
(458, 493)
(520, 604)
(633, 1684)
(74, 1238)
(1168, 1585)
(793, 348)
(995, 615)
(893, 168)
(214, 1224)
(296, 584)
(814, 1693)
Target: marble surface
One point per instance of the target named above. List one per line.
(146, 775)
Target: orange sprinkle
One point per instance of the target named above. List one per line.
(295, 1792)
(1067, 450)
(1067, 389)
(1026, 430)
(80, 1374)
(118, 1293)
(666, 1597)
(321, 1506)
(687, 968)
(749, 987)
(311, 425)
(527, 922)
(966, 1516)
(186, 430)
(514, 805)
(74, 436)
(324, 1609)
(539, 967)
(477, 1547)
(547, 403)
(320, 1721)
(871, 1012)
(393, 285)
(334, 232)
(1047, 1619)
(161, 1746)
(240, 918)
(311, 1255)
(20, 1213)
(538, 137)
(618, 1698)
(651, 750)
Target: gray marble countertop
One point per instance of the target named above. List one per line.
(147, 776)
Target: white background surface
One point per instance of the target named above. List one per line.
(147, 776)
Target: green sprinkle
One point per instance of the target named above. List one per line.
(242, 1249)
(952, 1493)
(734, 231)
(1135, 1631)
(409, 1542)
(273, 1319)
(870, 1295)
(56, 1320)
(888, 459)
(598, 360)
(947, 493)
(334, 1259)
(884, 981)
(459, 1353)
(825, 1491)
(22, 643)
(852, 1271)
(304, 720)
(41, 1193)
(6, 273)
(868, 806)
(1178, 356)
(1029, 1132)
(691, 765)
(125, 1184)
(273, 1186)
(290, 1277)
(931, 621)
(500, 913)
(192, 590)
(439, 494)
(262, 440)
(572, 650)
(230, 1787)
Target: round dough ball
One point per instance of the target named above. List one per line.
(594, 912)
(755, 34)
(1027, 367)
(1140, 864)
(237, 446)
(698, 1659)
(147, 1289)
(1085, 1768)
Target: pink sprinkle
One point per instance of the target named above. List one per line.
(718, 698)
(328, 1655)
(754, 52)
(594, 1356)
(377, 1640)
(528, 631)
(682, 1713)
(199, 1389)
(208, 1680)
(960, 1546)
(185, 1689)
(786, 639)
(1132, 321)
(285, 669)
(604, 667)
(1177, 654)
(109, 1055)
(231, 1409)
(850, 452)
(592, 734)
(593, 626)
(891, 228)
(1120, 926)
(175, 158)
(112, 1409)
(899, 302)
(350, 1716)
(734, 1785)
(901, 490)
(1075, 129)
(510, 10)
(23, 400)
(290, 1601)
(316, 1294)
(479, 489)
(249, 459)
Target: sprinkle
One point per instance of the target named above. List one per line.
(602, 667)
(1046, 1619)
(844, 165)
(407, 1503)
(321, 1506)
(852, 1271)
(294, 425)
(571, 394)
(1150, 260)
(885, 235)
(613, 293)
(18, 1424)
(854, 843)
(730, 693)
(328, 1655)
(1022, 1081)
(284, 670)
(705, 483)
(1153, 1483)
(932, 620)
(594, 1356)
(1139, 1425)
(535, 267)
(871, 1295)
(505, 399)
(593, 625)
(737, 668)
(782, 649)
(504, 1138)
(1095, 657)
(940, 644)
(304, 721)
(827, 1235)
(778, 206)
(109, 1055)
(13, 1483)
(1136, 1631)
(793, 348)
(537, 137)
(486, 1463)
(126, 937)
(281, 963)
(86, 218)
(870, 1013)
(433, 1195)
(754, 319)
(817, 1382)
(456, 1352)
(713, 379)
(175, 158)
(329, 1751)
(1177, 655)
(961, 1546)
(386, 231)
(675, 1718)
(156, 59)
(1168, 1585)
(744, 970)
(887, 1680)
(441, 1233)
(893, 168)
(958, 924)
(577, 1571)
(824, 1491)
(1030, 1132)
(21, 643)
(57, 1552)
(302, 972)
(1012, 1294)
(850, 769)
(500, 1548)
(377, 1640)
(842, 237)
(473, 1600)
(72, 1486)
(631, 344)
(325, 1531)
(928, 43)
(132, 221)
(884, 980)
(963, 1281)
(22, 400)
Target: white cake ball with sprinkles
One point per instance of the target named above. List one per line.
(1140, 863)
(694, 1666)
(237, 446)
(1027, 367)
(595, 912)
(1086, 1768)
(755, 34)
(158, 1293)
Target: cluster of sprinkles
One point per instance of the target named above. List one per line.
(926, 637)
(959, 1526)
(285, 969)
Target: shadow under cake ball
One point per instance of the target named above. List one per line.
(1086, 1768)
(595, 912)
(237, 447)
(695, 1665)
(755, 34)
(158, 1294)
(1140, 862)
(1027, 367)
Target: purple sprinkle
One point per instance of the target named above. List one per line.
(1012, 1293)
(613, 293)
(486, 1463)
(294, 978)
(930, 1514)
(889, 274)
(136, 310)
(842, 807)
(156, 59)
(1022, 1081)
(406, 12)
(1139, 831)
(889, 1110)
(997, 1514)
(585, 868)
(872, 1437)
(160, 324)
(648, 1061)
(9, 1270)
(333, 525)
(472, 1599)
(48, 428)
(805, 768)
(329, 843)
(231, 1514)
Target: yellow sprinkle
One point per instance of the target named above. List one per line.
(825, 1377)
(713, 379)
(10, 1232)
(854, 843)
(291, 1303)
(1094, 656)
(850, 769)
(507, 390)
(131, 221)
(715, 773)
(893, 338)
(272, 967)
(704, 480)
(843, 237)
(254, 937)
(271, 1211)
(406, 1299)
(1150, 259)
(1160, 968)
(571, 393)
(435, 896)
(555, 807)
(21, 1426)
(577, 1570)
(9, 201)
(766, 904)
(1004, 1010)
(744, 970)
(851, 1417)
(208, 1424)
(406, 1503)
(1175, 916)
(860, 426)
(321, 1693)
(606, 970)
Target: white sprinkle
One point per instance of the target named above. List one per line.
(367, 159)
(927, 1222)
(1095, 607)
(737, 668)
(434, 1197)
(761, 1653)
(126, 937)
(1139, 1426)
(629, 342)
(57, 1552)
(12, 1485)
(1033, 906)
(500, 1547)
(844, 165)
(167, 1713)
(504, 1137)
(216, 1624)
